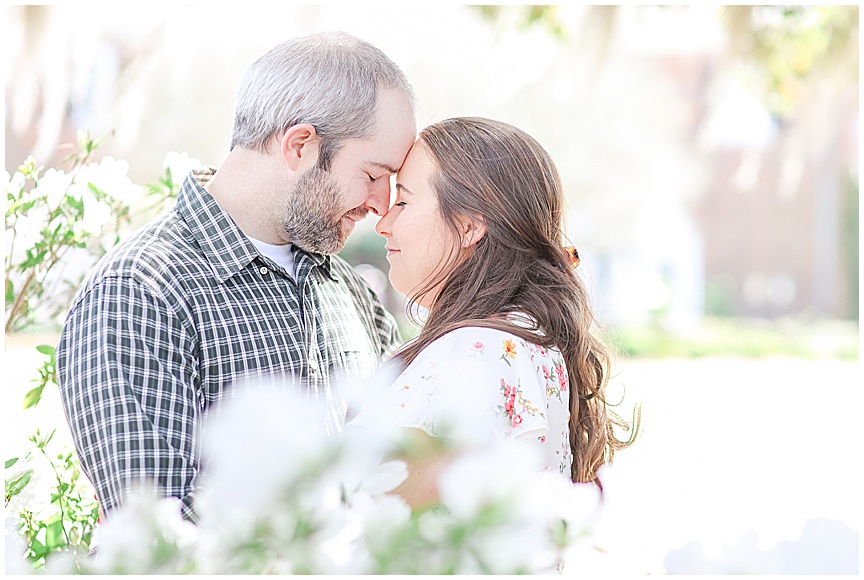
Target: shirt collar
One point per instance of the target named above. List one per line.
(226, 247)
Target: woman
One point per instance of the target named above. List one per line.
(475, 236)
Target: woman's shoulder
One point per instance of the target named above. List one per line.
(470, 332)
(475, 336)
(476, 346)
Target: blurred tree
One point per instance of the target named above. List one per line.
(786, 45)
(789, 45)
(594, 32)
(526, 16)
(802, 63)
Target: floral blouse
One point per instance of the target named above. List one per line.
(496, 383)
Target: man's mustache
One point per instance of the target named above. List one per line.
(358, 213)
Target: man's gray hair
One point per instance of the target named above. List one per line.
(329, 80)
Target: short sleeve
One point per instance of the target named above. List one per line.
(472, 382)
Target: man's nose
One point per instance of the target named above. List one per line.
(379, 201)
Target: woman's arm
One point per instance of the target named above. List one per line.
(426, 457)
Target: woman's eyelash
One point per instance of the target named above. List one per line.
(399, 204)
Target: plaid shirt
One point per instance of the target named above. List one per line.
(173, 315)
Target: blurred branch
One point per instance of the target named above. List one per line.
(596, 29)
(785, 45)
(789, 45)
(526, 16)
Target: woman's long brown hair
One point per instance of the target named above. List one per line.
(498, 174)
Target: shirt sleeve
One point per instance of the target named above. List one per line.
(472, 382)
(127, 375)
(386, 327)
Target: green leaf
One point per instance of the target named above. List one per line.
(32, 398)
(18, 484)
(41, 441)
(46, 349)
(38, 548)
(54, 536)
(11, 462)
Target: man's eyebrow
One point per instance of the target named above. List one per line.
(384, 166)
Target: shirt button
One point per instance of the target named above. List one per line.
(263, 270)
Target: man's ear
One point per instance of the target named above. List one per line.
(299, 143)
(473, 230)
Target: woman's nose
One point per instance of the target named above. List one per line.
(382, 228)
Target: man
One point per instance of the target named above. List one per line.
(240, 280)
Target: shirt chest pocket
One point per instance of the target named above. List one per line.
(349, 340)
(356, 364)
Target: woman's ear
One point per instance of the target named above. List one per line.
(473, 230)
(299, 143)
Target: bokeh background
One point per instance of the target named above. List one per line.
(711, 162)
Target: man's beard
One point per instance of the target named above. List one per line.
(313, 218)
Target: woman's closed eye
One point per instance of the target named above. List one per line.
(399, 204)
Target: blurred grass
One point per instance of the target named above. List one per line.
(718, 336)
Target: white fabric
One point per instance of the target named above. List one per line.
(481, 383)
(282, 255)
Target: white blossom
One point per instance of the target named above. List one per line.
(28, 231)
(97, 214)
(259, 442)
(16, 548)
(145, 534)
(180, 164)
(13, 183)
(483, 477)
(53, 186)
(281, 496)
(111, 176)
(386, 477)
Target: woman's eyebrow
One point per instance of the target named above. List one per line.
(400, 187)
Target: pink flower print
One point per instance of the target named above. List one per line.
(503, 384)
(545, 372)
(477, 346)
(562, 377)
(517, 420)
(510, 405)
(543, 439)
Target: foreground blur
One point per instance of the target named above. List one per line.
(737, 456)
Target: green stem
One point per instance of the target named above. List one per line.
(60, 495)
(19, 301)
(11, 251)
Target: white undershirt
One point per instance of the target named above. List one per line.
(282, 254)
